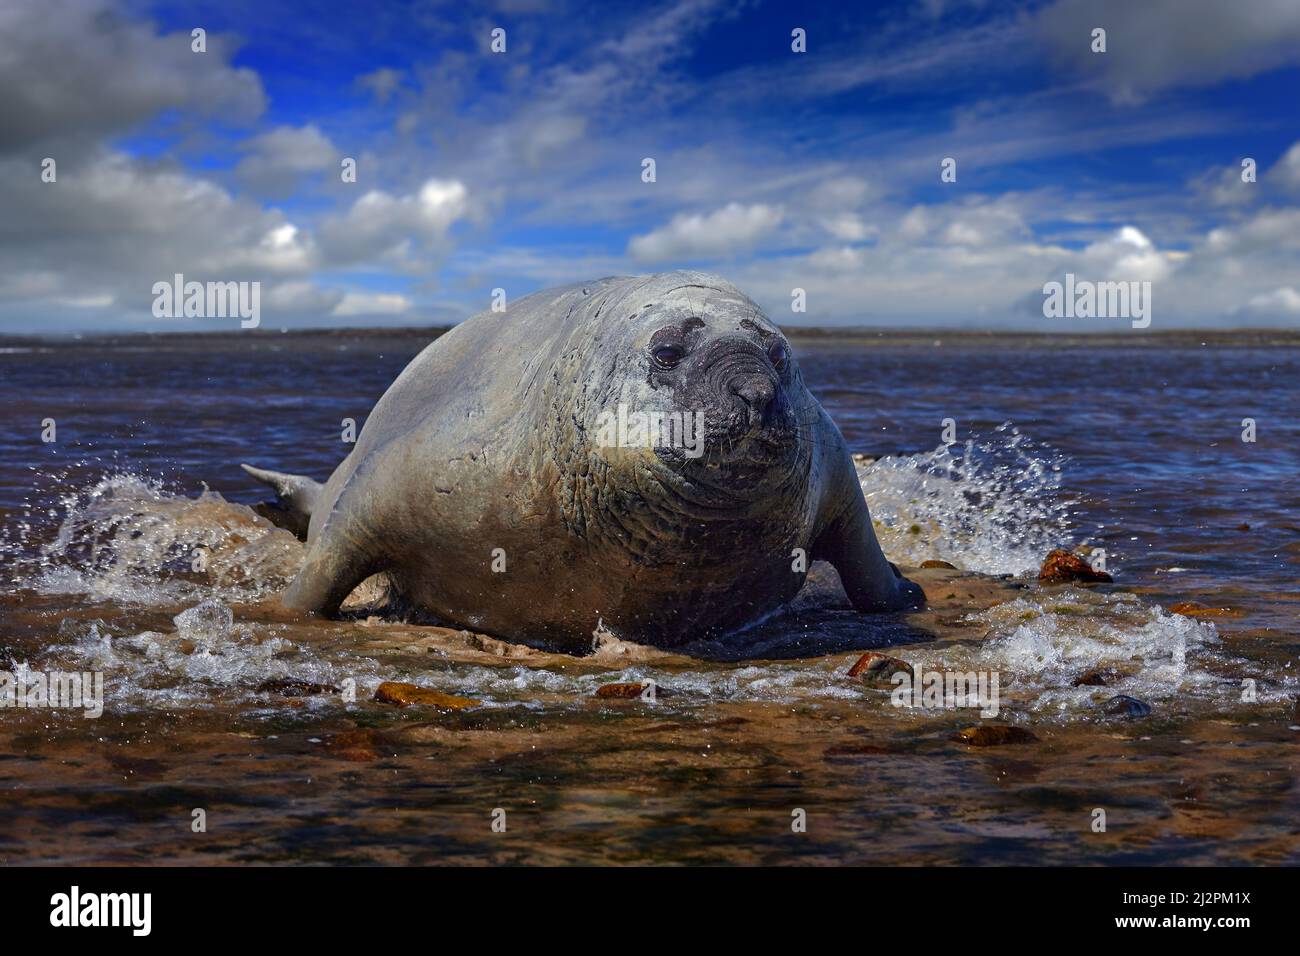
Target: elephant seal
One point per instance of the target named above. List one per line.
(640, 452)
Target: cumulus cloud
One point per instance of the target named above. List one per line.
(977, 221)
(732, 229)
(114, 226)
(1158, 45)
(1283, 302)
(1126, 256)
(372, 303)
(1266, 232)
(1223, 186)
(299, 297)
(77, 70)
(1285, 174)
(400, 230)
(276, 159)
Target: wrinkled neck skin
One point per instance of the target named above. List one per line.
(704, 493)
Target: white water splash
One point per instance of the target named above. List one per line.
(209, 656)
(991, 506)
(126, 539)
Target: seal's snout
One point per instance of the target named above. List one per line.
(756, 390)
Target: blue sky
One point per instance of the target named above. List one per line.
(778, 170)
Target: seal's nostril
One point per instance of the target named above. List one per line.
(756, 391)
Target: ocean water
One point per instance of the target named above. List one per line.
(1129, 448)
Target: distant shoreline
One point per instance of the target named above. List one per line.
(808, 335)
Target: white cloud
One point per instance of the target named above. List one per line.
(402, 230)
(113, 226)
(848, 228)
(1286, 171)
(299, 297)
(277, 158)
(732, 229)
(1223, 186)
(376, 303)
(1157, 45)
(970, 222)
(1267, 231)
(1284, 301)
(76, 69)
(1128, 256)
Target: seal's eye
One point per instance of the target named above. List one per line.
(778, 356)
(668, 356)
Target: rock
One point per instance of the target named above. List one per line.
(1124, 706)
(1061, 567)
(994, 735)
(395, 692)
(629, 691)
(935, 563)
(1097, 677)
(879, 668)
(289, 687)
(1193, 609)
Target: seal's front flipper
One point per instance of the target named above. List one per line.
(871, 582)
(296, 494)
(330, 573)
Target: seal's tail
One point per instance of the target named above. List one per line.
(297, 494)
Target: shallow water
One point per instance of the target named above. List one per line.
(117, 559)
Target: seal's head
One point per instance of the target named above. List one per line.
(704, 384)
(736, 376)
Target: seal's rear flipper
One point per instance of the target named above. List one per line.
(297, 496)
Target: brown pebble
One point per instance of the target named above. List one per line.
(395, 692)
(1193, 609)
(994, 735)
(628, 691)
(1095, 678)
(1061, 566)
(873, 667)
(935, 563)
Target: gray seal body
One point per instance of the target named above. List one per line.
(640, 452)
